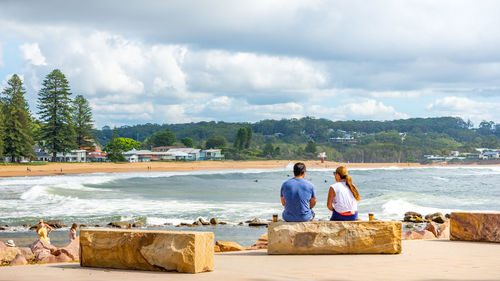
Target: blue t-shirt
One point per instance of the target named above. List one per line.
(297, 193)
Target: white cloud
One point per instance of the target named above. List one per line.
(32, 54)
(466, 108)
(1, 61)
(366, 109)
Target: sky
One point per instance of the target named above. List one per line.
(186, 61)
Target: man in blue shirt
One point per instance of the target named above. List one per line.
(298, 197)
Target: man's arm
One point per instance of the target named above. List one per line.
(283, 201)
(312, 202)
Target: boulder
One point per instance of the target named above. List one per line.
(26, 252)
(27, 225)
(156, 250)
(55, 223)
(413, 217)
(214, 221)
(8, 254)
(138, 224)
(119, 224)
(444, 230)
(436, 217)
(217, 249)
(229, 246)
(2, 245)
(19, 260)
(203, 222)
(42, 251)
(83, 226)
(197, 223)
(417, 235)
(260, 244)
(2, 228)
(475, 227)
(71, 250)
(335, 237)
(432, 227)
(222, 222)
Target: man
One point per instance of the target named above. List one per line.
(297, 196)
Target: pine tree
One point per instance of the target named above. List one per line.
(17, 135)
(82, 119)
(54, 103)
(114, 150)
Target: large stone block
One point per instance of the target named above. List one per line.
(335, 237)
(475, 227)
(156, 250)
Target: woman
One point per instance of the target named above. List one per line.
(343, 197)
(72, 232)
(42, 231)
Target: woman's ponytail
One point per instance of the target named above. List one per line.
(352, 187)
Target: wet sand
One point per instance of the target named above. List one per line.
(83, 168)
(420, 260)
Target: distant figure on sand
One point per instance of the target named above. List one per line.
(343, 197)
(43, 230)
(298, 196)
(72, 232)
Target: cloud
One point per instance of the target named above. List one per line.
(365, 109)
(466, 108)
(32, 54)
(1, 61)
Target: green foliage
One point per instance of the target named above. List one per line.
(162, 138)
(243, 138)
(115, 148)
(17, 136)
(82, 119)
(215, 142)
(123, 144)
(54, 103)
(310, 147)
(188, 142)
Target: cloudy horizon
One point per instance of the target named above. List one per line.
(176, 62)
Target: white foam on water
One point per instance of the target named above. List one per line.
(156, 221)
(396, 208)
(34, 193)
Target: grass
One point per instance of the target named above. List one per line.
(23, 164)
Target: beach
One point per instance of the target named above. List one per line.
(420, 260)
(83, 168)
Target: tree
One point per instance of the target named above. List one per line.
(216, 142)
(243, 138)
(268, 150)
(114, 150)
(123, 144)
(188, 142)
(17, 134)
(82, 119)
(310, 147)
(54, 103)
(162, 138)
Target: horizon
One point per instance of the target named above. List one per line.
(172, 63)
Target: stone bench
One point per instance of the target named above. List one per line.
(156, 250)
(475, 226)
(334, 237)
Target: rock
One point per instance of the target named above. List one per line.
(444, 230)
(19, 260)
(413, 217)
(223, 222)
(27, 225)
(98, 225)
(260, 223)
(71, 250)
(214, 221)
(2, 228)
(43, 251)
(255, 220)
(229, 246)
(55, 223)
(203, 222)
(2, 245)
(475, 227)
(260, 244)
(217, 249)
(436, 217)
(182, 251)
(197, 223)
(83, 226)
(8, 254)
(119, 224)
(138, 224)
(241, 223)
(26, 252)
(335, 237)
(447, 216)
(432, 227)
(33, 227)
(417, 235)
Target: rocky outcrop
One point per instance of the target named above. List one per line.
(2, 245)
(72, 250)
(413, 217)
(417, 235)
(229, 246)
(444, 230)
(8, 254)
(55, 223)
(433, 228)
(214, 221)
(119, 224)
(436, 217)
(19, 260)
(44, 252)
(475, 227)
(182, 251)
(335, 237)
(260, 244)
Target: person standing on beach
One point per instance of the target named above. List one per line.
(298, 196)
(72, 232)
(43, 230)
(343, 197)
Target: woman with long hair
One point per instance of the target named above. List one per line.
(343, 197)
(72, 231)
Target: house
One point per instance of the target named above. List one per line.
(72, 156)
(211, 154)
(139, 155)
(184, 153)
(491, 154)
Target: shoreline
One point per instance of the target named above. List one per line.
(53, 169)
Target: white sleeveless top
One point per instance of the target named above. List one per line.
(344, 201)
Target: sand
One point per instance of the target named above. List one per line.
(420, 260)
(82, 168)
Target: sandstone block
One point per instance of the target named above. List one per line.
(156, 250)
(335, 237)
(475, 227)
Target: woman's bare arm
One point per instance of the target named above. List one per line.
(329, 201)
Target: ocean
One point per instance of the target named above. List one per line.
(161, 198)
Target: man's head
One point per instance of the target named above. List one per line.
(299, 169)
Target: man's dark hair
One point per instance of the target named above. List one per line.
(299, 168)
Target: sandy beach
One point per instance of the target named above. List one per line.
(420, 260)
(82, 168)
